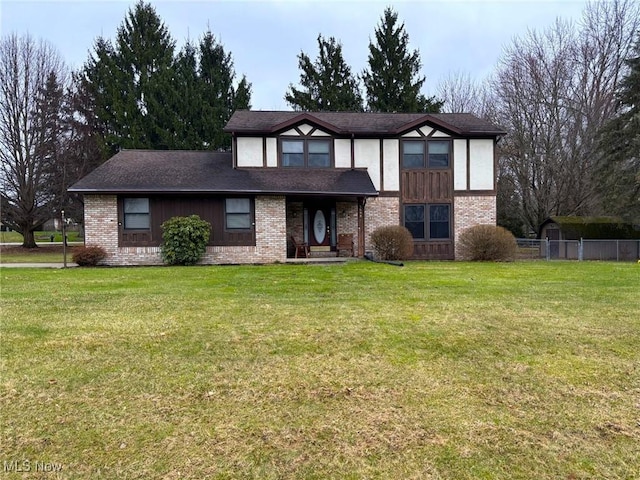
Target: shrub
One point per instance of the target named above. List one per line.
(487, 243)
(393, 242)
(88, 256)
(184, 240)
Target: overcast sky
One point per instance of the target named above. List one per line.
(265, 37)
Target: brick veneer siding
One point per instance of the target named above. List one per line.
(347, 221)
(101, 224)
(101, 228)
(469, 211)
(379, 212)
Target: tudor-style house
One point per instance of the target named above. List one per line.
(301, 178)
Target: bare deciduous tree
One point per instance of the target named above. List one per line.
(554, 91)
(462, 94)
(29, 70)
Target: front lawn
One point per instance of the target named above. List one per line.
(44, 253)
(362, 370)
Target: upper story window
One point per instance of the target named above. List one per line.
(136, 214)
(306, 153)
(437, 153)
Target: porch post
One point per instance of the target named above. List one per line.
(361, 203)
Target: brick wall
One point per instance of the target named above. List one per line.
(378, 212)
(101, 224)
(347, 221)
(101, 228)
(471, 211)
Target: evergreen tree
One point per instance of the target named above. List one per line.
(392, 81)
(187, 100)
(84, 148)
(242, 95)
(50, 148)
(619, 171)
(219, 97)
(144, 57)
(132, 82)
(328, 84)
(142, 96)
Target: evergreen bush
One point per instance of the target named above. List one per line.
(487, 243)
(184, 240)
(393, 242)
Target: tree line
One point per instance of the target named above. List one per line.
(567, 96)
(135, 92)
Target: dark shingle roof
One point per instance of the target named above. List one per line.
(346, 123)
(183, 171)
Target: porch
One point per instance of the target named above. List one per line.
(321, 224)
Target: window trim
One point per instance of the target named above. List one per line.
(425, 153)
(250, 212)
(427, 221)
(306, 140)
(125, 214)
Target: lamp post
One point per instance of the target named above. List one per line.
(64, 241)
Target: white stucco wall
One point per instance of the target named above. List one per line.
(249, 152)
(272, 152)
(391, 164)
(342, 152)
(367, 155)
(481, 164)
(460, 164)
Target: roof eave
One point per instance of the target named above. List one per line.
(134, 191)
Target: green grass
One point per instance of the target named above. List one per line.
(41, 237)
(432, 370)
(45, 253)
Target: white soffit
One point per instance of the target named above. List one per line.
(426, 131)
(293, 132)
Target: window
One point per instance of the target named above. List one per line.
(413, 153)
(293, 153)
(136, 214)
(414, 220)
(306, 153)
(237, 213)
(319, 155)
(438, 154)
(438, 221)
